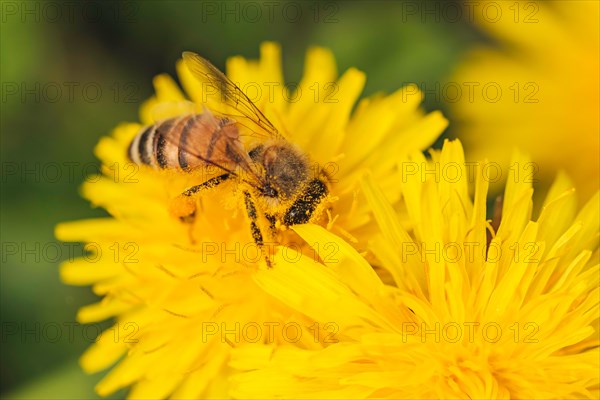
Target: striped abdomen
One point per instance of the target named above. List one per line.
(185, 142)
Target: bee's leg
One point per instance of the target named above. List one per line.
(272, 221)
(184, 207)
(209, 184)
(254, 229)
(302, 209)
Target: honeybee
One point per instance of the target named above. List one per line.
(274, 174)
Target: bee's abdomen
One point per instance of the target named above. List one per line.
(162, 145)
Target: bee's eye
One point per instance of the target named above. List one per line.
(269, 191)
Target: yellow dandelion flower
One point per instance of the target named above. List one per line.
(514, 315)
(538, 91)
(181, 292)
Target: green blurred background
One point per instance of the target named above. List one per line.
(71, 71)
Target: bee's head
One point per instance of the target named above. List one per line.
(286, 170)
(269, 190)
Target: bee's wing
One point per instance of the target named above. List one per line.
(223, 97)
(201, 140)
